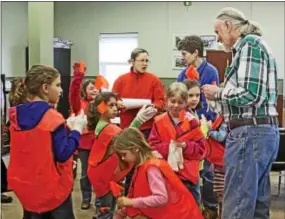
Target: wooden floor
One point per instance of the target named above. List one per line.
(14, 210)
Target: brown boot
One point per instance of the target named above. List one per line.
(85, 205)
(6, 199)
(210, 213)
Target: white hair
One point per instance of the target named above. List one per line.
(239, 20)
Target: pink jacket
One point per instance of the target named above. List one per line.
(159, 193)
(194, 150)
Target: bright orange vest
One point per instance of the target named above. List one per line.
(215, 149)
(87, 137)
(40, 183)
(167, 131)
(101, 173)
(181, 204)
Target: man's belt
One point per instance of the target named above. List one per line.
(252, 121)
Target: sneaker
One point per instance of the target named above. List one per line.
(104, 215)
(210, 213)
(6, 199)
(85, 205)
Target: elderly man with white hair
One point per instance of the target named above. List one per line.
(248, 100)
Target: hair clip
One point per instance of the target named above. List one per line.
(102, 107)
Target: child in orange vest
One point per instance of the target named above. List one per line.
(103, 162)
(194, 96)
(213, 154)
(40, 168)
(17, 95)
(217, 137)
(169, 128)
(80, 94)
(155, 191)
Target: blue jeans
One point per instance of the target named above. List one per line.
(85, 184)
(108, 201)
(250, 151)
(207, 191)
(194, 189)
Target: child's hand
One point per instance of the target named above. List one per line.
(76, 66)
(124, 202)
(146, 113)
(157, 154)
(181, 145)
(79, 67)
(70, 121)
(209, 123)
(120, 104)
(80, 121)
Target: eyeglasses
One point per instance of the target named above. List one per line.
(143, 60)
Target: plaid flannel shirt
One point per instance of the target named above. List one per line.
(250, 85)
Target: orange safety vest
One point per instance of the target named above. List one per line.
(40, 182)
(180, 205)
(167, 131)
(101, 173)
(215, 150)
(87, 137)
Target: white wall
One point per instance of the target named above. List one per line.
(14, 37)
(156, 22)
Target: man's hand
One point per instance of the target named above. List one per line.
(210, 91)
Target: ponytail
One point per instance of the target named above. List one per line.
(18, 93)
(250, 27)
(93, 116)
(239, 20)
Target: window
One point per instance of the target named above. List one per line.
(114, 53)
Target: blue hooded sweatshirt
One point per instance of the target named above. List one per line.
(208, 74)
(64, 145)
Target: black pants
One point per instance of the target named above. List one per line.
(64, 211)
(128, 181)
(3, 177)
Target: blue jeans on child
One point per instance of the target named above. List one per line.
(250, 152)
(207, 191)
(194, 189)
(107, 201)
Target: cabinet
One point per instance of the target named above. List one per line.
(219, 59)
(62, 62)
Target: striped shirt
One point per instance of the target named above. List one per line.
(250, 86)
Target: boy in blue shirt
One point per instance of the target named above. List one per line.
(192, 49)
